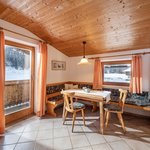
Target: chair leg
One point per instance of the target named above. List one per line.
(107, 118)
(66, 112)
(74, 117)
(121, 121)
(83, 116)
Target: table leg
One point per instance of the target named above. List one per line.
(101, 117)
(63, 111)
(94, 106)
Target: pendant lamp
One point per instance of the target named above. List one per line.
(84, 60)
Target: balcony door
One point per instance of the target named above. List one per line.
(19, 84)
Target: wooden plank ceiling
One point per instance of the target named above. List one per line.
(106, 25)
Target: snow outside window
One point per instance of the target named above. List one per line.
(117, 73)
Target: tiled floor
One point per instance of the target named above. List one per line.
(50, 134)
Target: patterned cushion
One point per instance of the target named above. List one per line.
(149, 96)
(142, 99)
(139, 99)
(112, 107)
(77, 105)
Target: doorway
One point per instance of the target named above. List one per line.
(19, 83)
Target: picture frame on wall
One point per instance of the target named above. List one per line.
(58, 65)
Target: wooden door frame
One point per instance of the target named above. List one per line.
(27, 111)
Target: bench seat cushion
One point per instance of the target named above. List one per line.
(142, 99)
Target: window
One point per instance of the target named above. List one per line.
(116, 73)
(17, 62)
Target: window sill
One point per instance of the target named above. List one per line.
(116, 86)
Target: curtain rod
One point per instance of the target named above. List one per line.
(1, 28)
(144, 53)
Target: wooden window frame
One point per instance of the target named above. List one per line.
(111, 63)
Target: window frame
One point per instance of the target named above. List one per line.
(111, 63)
(29, 110)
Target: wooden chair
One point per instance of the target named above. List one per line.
(72, 107)
(118, 109)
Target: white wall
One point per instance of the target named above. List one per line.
(84, 73)
(55, 76)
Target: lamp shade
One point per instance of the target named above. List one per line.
(84, 61)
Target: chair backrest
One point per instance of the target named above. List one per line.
(122, 97)
(68, 100)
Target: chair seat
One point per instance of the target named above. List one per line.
(112, 107)
(77, 105)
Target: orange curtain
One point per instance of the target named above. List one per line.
(2, 82)
(97, 80)
(136, 77)
(42, 73)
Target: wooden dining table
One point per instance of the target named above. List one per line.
(93, 96)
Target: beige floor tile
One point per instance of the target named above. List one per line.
(104, 146)
(25, 146)
(46, 126)
(60, 132)
(44, 144)
(119, 145)
(9, 138)
(112, 137)
(84, 148)
(95, 138)
(31, 127)
(59, 124)
(79, 141)
(15, 129)
(46, 121)
(69, 122)
(51, 133)
(7, 147)
(62, 143)
(146, 140)
(28, 136)
(45, 134)
(136, 144)
(77, 130)
(89, 122)
(89, 129)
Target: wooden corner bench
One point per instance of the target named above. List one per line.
(54, 97)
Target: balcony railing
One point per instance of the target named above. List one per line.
(17, 95)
